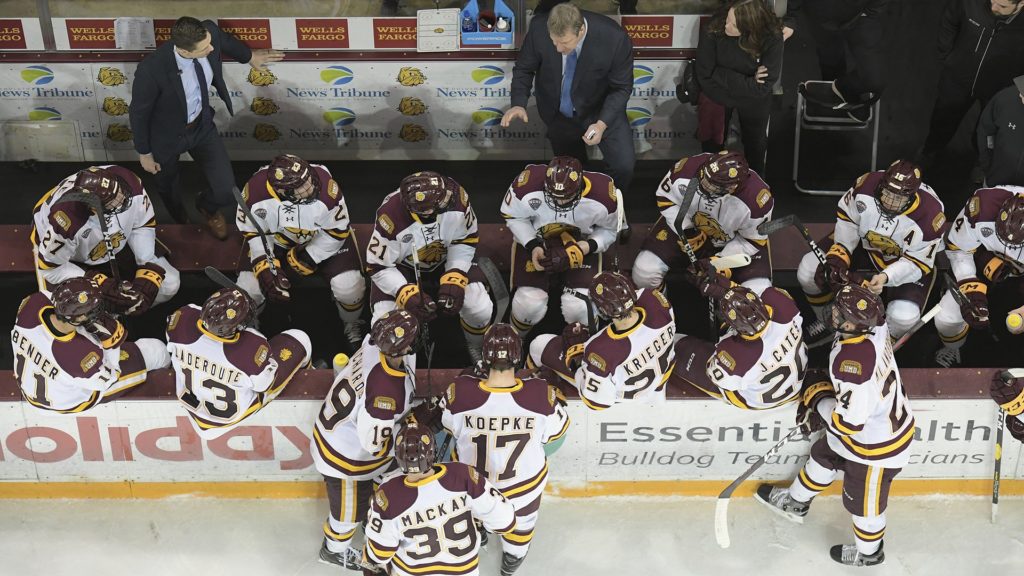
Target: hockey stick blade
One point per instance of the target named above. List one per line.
(772, 226)
(731, 261)
(917, 326)
(499, 290)
(722, 522)
(220, 279)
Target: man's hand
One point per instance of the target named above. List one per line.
(762, 74)
(786, 33)
(513, 113)
(538, 255)
(148, 164)
(877, 283)
(592, 136)
(260, 58)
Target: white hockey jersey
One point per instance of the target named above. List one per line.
(630, 365)
(450, 240)
(975, 228)
(66, 234)
(352, 435)
(765, 371)
(219, 381)
(730, 222)
(904, 247)
(426, 527)
(529, 217)
(502, 431)
(322, 226)
(869, 420)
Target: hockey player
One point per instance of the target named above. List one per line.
(70, 355)
(352, 436)
(500, 424)
(868, 424)
(730, 202)
(428, 222)
(1008, 391)
(759, 363)
(898, 221)
(630, 360)
(421, 523)
(985, 246)
(562, 219)
(68, 240)
(300, 206)
(225, 370)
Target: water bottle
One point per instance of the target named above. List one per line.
(468, 22)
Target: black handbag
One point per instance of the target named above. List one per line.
(688, 91)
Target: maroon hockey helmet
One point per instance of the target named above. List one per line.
(563, 182)
(898, 187)
(723, 174)
(395, 333)
(1010, 221)
(287, 174)
(77, 297)
(502, 348)
(112, 191)
(856, 310)
(227, 311)
(744, 311)
(414, 449)
(613, 294)
(427, 193)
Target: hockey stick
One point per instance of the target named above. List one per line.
(220, 279)
(917, 326)
(963, 301)
(280, 278)
(96, 205)
(499, 289)
(684, 207)
(731, 261)
(772, 226)
(722, 505)
(620, 222)
(1000, 424)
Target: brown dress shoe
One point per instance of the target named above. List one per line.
(216, 223)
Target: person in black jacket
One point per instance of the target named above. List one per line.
(579, 65)
(739, 58)
(842, 27)
(981, 47)
(1001, 137)
(170, 113)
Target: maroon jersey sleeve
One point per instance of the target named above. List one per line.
(459, 477)
(392, 217)
(756, 196)
(984, 205)
(657, 307)
(605, 353)
(29, 309)
(601, 188)
(78, 356)
(536, 396)
(256, 189)
(385, 394)
(929, 216)
(465, 394)
(67, 218)
(531, 179)
(249, 353)
(687, 167)
(737, 354)
(330, 191)
(855, 363)
(784, 309)
(183, 325)
(131, 180)
(394, 497)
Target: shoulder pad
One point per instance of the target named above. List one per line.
(867, 183)
(600, 188)
(392, 217)
(255, 190)
(67, 218)
(251, 352)
(985, 203)
(660, 297)
(756, 195)
(929, 214)
(855, 362)
(687, 167)
(531, 179)
(28, 310)
(330, 191)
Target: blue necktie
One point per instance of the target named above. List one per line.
(565, 104)
(204, 90)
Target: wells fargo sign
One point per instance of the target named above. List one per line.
(254, 32)
(321, 32)
(394, 32)
(649, 30)
(90, 34)
(12, 35)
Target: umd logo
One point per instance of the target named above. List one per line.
(109, 76)
(337, 75)
(37, 75)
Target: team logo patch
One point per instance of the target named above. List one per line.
(261, 213)
(523, 178)
(89, 361)
(386, 223)
(861, 206)
(284, 354)
(679, 165)
(382, 500)
(62, 220)
(725, 359)
(261, 355)
(534, 203)
(173, 320)
(660, 298)
(861, 180)
(83, 297)
(986, 232)
(123, 356)
(974, 206)
(762, 197)
(850, 367)
(710, 226)
(450, 394)
(384, 403)
(599, 289)
(862, 304)
(332, 190)
(662, 235)
(594, 359)
(939, 220)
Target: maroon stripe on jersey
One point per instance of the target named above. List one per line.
(533, 480)
(534, 396)
(434, 567)
(182, 325)
(658, 311)
(737, 354)
(28, 312)
(464, 394)
(881, 450)
(784, 309)
(855, 362)
(531, 507)
(329, 454)
(394, 498)
(250, 352)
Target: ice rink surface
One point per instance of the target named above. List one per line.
(932, 536)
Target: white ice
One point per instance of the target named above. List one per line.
(930, 536)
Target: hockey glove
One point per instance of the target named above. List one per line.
(452, 292)
(574, 338)
(836, 272)
(698, 240)
(975, 308)
(427, 414)
(271, 284)
(996, 269)
(710, 283)
(148, 279)
(807, 417)
(107, 330)
(116, 298)
(1008, 392)
(300, 261)
(561, 254)
(418, 304)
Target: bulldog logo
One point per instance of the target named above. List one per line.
(115, 106)
(711, 227)
(119, 133)
(110, 76)
(888, 248)
(263, 106)
(555, 229)
(261, 77)
(432, 253)
(266, 132)
(412, 133)
(409, 76)
(412, 106)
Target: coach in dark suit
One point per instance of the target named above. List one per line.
(170, 113)
(579, 64)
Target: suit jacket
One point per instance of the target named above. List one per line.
(603, 81)
(158, 112)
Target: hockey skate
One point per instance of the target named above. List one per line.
(350, 559)
(778, 499)
(848, 554)
(948, 357)
(354, 332)
(510, 563)
(817, 334)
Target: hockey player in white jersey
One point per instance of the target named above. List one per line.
(1007, 390)
(428, 222)
(352, 437)
(70, 355)
(563, 219)
(630, 360)
(500, 424)
(759, 363)
(868, 422)
(730, 202)
(225, 370)
(985, 246)
(302, 210)
(68, 239)
(897, 222)
(421, 522)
